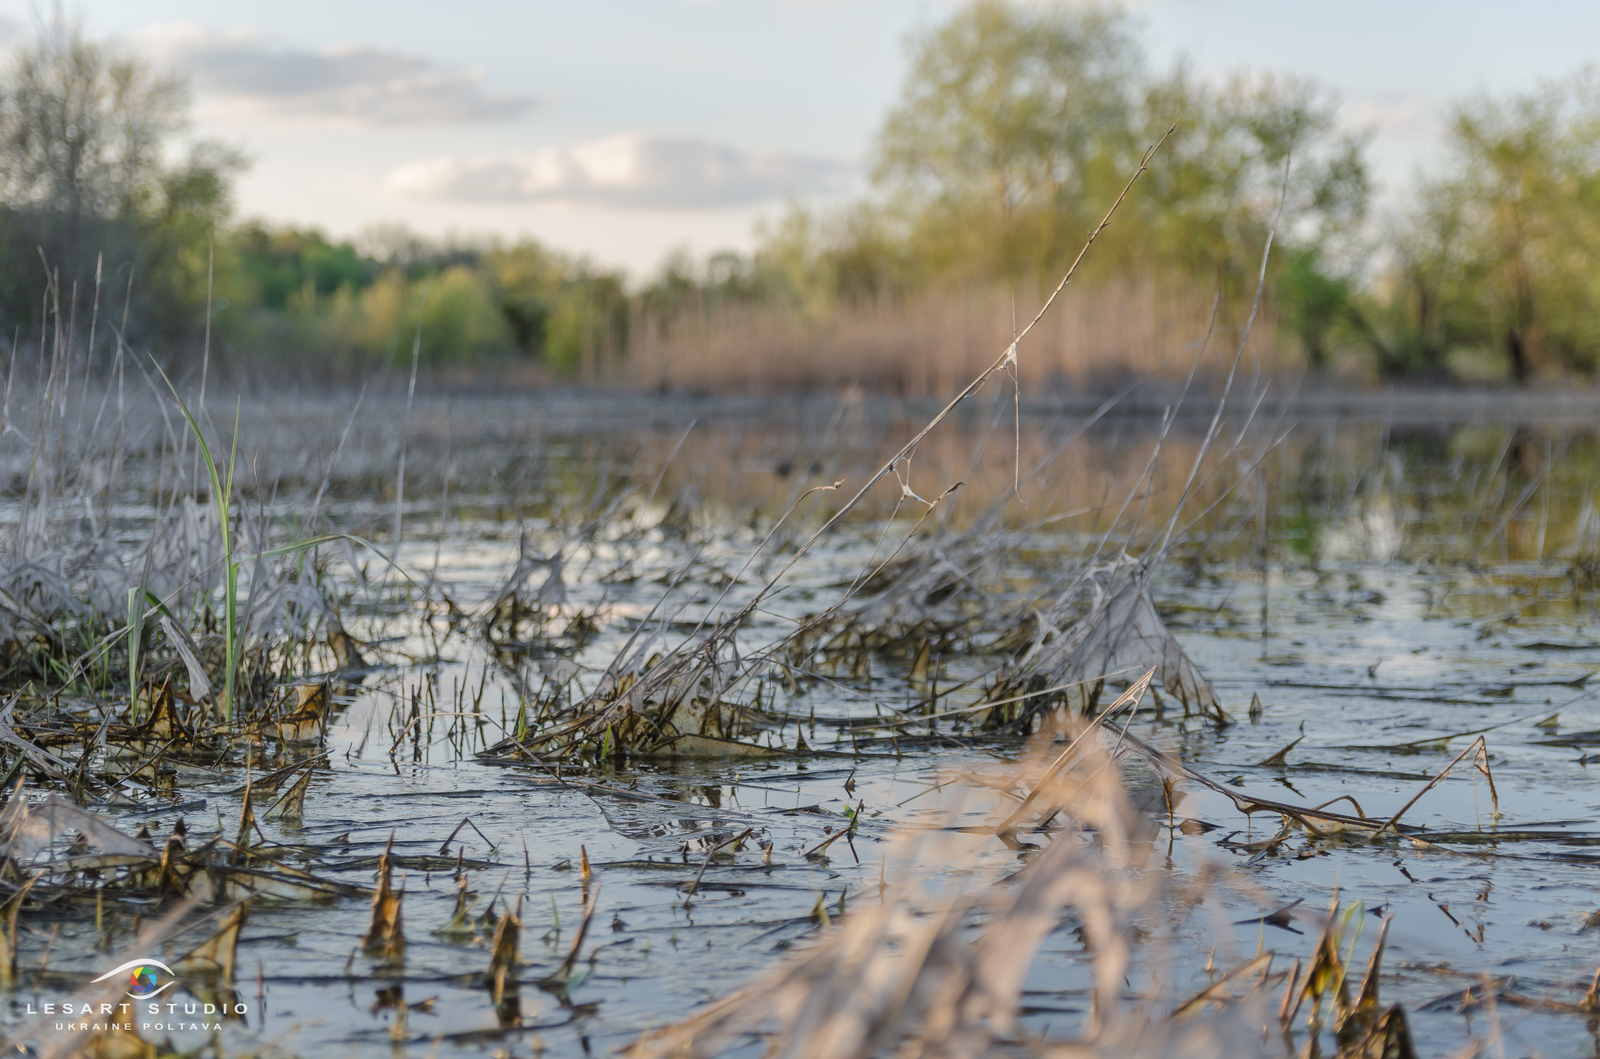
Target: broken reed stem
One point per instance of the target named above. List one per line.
(1132, 697)
(564, 972)
(1482, 761)
(830, 840)
(1016, 406)
(504, 947)
(735, 840)
(385, 936)
(1233, 369)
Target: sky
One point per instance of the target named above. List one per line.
(627, 129)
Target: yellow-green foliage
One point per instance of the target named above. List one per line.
(460, 320)
(559, 310)
(461, 323)
(1500, 258)
(1004, 122)
(795, 262)
(479, 306)
(376, 317)
(1019, 123)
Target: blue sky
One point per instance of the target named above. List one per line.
(625, 128)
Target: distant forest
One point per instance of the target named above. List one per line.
(1016, 125)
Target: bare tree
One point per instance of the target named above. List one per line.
(84, 180)
(82, 123)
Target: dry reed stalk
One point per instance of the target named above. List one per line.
(940, 974)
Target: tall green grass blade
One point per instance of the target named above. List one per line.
(135, 634)
(232, 602)
(222, 499)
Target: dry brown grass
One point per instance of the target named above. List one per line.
(932, 343)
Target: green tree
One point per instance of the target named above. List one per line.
(1500, 256)
(1005, 114)
(281, 263)
(1018, 123)
(1235, 153)
(560, 311)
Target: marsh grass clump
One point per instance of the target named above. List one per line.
(515, 604)
(942, 595)
(101, 862)
(1080, 645)
(526, 620)
(164, 617)
(697, 699)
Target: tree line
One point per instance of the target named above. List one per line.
(1015, 126)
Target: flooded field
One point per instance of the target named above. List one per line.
(582, 722)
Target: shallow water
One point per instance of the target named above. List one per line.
(1385, 593)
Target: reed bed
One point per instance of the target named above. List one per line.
(930, 344)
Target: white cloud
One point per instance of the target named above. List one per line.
(628, 169)
(1413, 116)
(240, 77)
